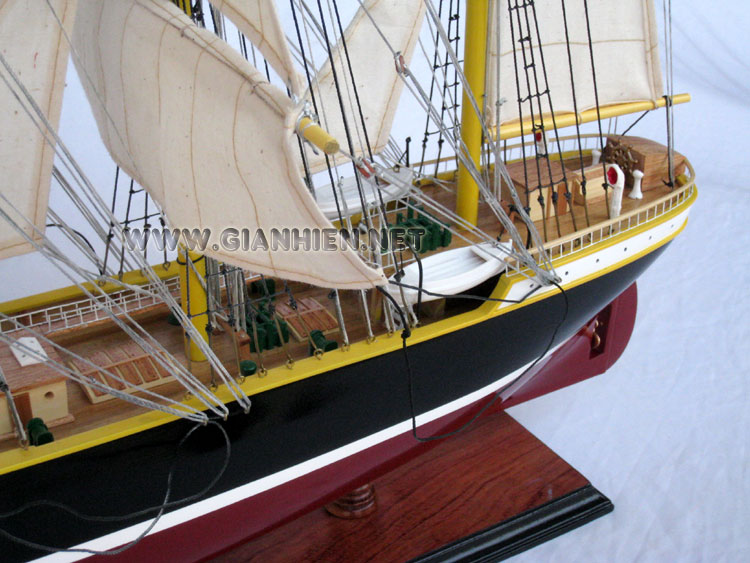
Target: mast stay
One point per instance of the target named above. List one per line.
(476, 142)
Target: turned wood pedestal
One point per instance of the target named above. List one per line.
(483, 495)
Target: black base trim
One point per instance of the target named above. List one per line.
(526, 530)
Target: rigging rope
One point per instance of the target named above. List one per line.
(567, 194)
(667, 8)
(12, 409)
(605, 185)
(95, 199)
(57, 258)
(159, 509)
(544, 270)
(406, 333)
(578, 125)
(345, 121)
(644, 114)
(183, 411)
(315, 104)
(464, 227)
(453, 17)
(538, 129)
(110, 234)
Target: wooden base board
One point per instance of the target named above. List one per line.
(484, 495)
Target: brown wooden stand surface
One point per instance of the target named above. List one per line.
(486, 494)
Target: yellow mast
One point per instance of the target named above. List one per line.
(185, 6)
(475, 46)
(193, 298)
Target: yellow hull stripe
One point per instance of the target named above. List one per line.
(17, 459)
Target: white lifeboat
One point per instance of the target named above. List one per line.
(452, 271)
(399, 181)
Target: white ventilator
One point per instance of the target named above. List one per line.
(540, 139)
(636, 192)
(596, 156)
(616, 180)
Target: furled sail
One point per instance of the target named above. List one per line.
(259, 22)
(625, 47)
(209, 138)
(373, 68)
(34, 47)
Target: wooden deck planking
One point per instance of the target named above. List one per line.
(117, 345)
(22, 378)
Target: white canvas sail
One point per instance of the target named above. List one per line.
(34, 47)
(625, 46)
(373, 68)
(203, 131)
(259, 22)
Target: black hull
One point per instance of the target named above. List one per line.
(290, 424)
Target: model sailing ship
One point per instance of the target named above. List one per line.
(334, 303)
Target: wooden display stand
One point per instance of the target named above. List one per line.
(483, 495)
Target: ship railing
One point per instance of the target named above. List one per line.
(585, 238)
(85, 311)
(567, 146)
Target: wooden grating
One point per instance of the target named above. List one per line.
(122, 357)
(310, 315)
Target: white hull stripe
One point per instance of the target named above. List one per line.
(572, 272)
(243, 492)
(579, 270)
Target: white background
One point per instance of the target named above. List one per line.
(665, 433)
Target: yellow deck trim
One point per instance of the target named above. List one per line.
(17, 459)
(56, 296)
(645, 226)
(599, 273)
(503, 288)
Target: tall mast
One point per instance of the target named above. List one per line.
(193, 296)
(475, 55)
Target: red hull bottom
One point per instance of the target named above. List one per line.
(593, 350)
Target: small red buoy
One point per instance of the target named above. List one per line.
(612, 176)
